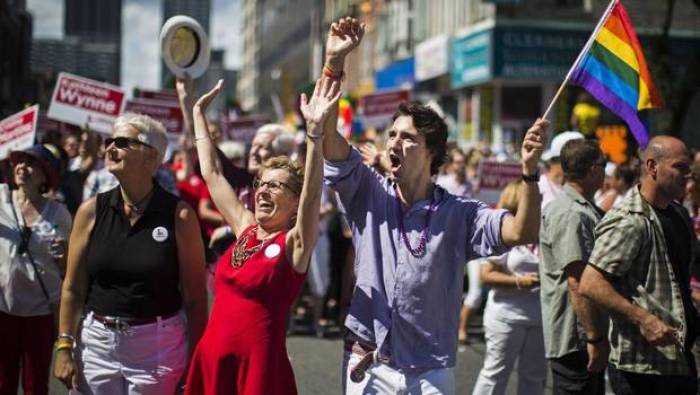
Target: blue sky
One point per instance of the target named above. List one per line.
(140, 53)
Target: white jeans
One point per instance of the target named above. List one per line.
(145, 359)
(506, 342)
(381, 379)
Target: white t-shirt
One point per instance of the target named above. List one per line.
(548, 189)
(511, 304)
(20, 291)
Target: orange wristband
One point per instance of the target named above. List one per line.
(329, 74)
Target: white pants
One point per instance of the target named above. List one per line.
(381, 379)
(506, 342)
(145, 359)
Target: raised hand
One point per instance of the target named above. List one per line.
(533, 144)
(318, 107)
(184, 87)
(204, 101)
(344, 36)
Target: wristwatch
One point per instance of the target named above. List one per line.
(534, 178)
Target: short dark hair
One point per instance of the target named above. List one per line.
(628, 172)
(577, 157)
(428, 123)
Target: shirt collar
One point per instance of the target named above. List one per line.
(574, 195)
(635, 203)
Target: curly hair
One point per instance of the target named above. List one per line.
(293, 168)
(428, 123)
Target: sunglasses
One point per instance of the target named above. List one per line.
(124, 142)
(272, 186)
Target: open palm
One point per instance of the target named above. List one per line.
(325, 97)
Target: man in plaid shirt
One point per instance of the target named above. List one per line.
(640, 272)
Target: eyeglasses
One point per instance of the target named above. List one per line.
(272, 186)
(124, 142)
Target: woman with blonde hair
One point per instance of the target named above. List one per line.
(134, 302)
(512, 318)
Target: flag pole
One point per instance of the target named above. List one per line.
(580, 56)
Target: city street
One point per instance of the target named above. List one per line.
(316, 364)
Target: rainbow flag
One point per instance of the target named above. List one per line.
(613, 70)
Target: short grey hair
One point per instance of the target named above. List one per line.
(151, 132)
(283, 143)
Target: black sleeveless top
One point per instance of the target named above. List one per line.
(133, 271)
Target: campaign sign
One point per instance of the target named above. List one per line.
(167, 112)
(17, 131)
(378, 108)
(81, 101)
(243, 128)
(168, 95)
(494, 176)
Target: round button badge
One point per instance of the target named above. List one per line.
(272, 250)
(160, 234)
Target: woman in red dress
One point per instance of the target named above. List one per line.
(243, 348)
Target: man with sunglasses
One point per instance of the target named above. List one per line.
(575, 332)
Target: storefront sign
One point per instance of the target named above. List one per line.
(400, 74)
(471, 59)
(432, 57)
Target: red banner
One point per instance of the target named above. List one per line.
(17, 131)
(378, 108)
(242, 129)
(167, 113)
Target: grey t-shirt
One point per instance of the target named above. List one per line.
(566, 236)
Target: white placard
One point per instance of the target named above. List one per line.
(80, 101)
(17, 131)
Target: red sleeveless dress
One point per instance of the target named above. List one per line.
(243, 349)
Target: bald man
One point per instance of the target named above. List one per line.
(639, 271)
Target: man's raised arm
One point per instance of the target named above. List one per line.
(343, 36)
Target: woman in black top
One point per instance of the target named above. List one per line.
(136, 261)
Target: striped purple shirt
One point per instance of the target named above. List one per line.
(409, 306)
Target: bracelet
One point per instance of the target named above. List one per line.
(517, 281)
(596, 340)
(201, 138)
(64, 347)
(329, 74)
(314, 136)
(62, 344)
(531, 179)
(66, 336)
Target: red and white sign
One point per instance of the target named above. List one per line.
(494, 176)
(81, 101)
(377, 108)
(168, 113)
(243, 128)
(17, 131)
(167, 95)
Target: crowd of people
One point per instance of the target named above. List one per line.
(112, 247)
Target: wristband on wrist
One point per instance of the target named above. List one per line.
(66, 336)
(533, 178)
(201, 138)
(314, 136)
(517, 281)
(329, 74)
